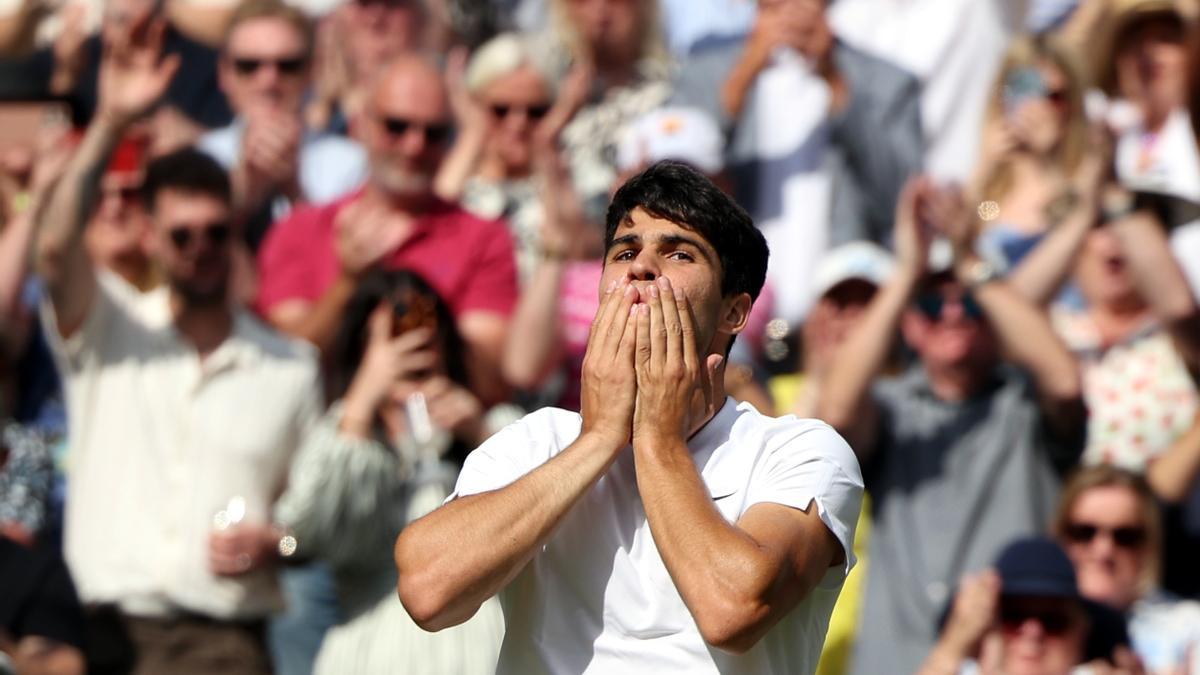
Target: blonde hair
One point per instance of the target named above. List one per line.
(1103, 476)
(503, 55)
(651, 42)
(251, 10)
(1031, 52)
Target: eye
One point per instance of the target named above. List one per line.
(681, 255)
(627, 254)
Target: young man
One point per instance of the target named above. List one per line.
(663, 527)
(179, 404)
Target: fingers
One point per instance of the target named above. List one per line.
(643, 352)
(672, 327)
(713, 378)
(658, 328)
(687, 326)
(379, 325)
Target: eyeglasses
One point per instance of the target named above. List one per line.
(434, 133)
(1128, 536)
(1053, 621)
(933, 304)
(215, 234)
(288, 66)
(533, 112)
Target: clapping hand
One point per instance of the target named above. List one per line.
(609, 382)
(366, 232)
(134, 74)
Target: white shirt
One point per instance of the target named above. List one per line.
(598, 599)
(160, 441)
(954, 47)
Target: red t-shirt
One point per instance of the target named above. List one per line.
(468, 261)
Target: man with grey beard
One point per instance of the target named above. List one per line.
(311, 263)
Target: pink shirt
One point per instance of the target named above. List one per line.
(469, 261)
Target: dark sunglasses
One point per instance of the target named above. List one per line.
(1053, 621)
(1130, 537)
(289, 66)
(127, 194)
(533, 112)
(216, 234)
(933, 304)
(434, 133)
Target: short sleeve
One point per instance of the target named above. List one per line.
(84, 345)
(817, 467)
(493, 284)
(285, 261)
(510, 453)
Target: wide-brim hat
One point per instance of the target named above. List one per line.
(1118, 17)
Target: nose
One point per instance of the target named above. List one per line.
(413, 143)
(645, 267)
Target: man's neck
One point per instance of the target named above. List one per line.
(956, 383)
(405, 206)
(205, 327)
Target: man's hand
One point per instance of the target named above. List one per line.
(676, 389)
(912, 236)
(271, 155)
(608, 380)
(134, 75)
(242, 548)
(366, 233)
(454, 408)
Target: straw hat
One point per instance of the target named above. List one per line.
(1121, 14)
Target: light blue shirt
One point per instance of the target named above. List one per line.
(330, 166)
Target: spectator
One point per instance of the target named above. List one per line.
(117, 232)
(1136, 339)
(1028, 616)
(354, 45)
(1035, 142)
(1109, 523)
(370, 467)
(822, 137)
(615, 53)
(847, 279)
(159, 387)
(503, 163)
(959, 452)
(310, 264)
(953, 48)
(274, 163)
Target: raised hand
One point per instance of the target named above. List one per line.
(387, 360)
(454, 408)
(609, 384)
(467, 111)
(912, 235)
(365, 233)
(676, 384)
(134, 74)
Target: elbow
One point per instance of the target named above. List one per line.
(731, 629)
(422, 590)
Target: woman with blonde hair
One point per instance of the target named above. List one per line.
(1109, 524)
(1034, 147)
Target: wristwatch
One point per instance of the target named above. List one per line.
(979, 272)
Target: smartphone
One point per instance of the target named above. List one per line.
(1021, 85)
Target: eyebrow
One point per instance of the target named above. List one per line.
(667, 239)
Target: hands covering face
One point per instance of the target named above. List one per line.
(645, 378)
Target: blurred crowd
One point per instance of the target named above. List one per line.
(270, 269)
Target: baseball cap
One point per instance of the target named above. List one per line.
(675, 132)
(856, 260)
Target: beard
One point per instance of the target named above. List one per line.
(201, 296)
(400, 181)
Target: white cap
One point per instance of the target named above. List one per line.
(684, 134)
(856, 260)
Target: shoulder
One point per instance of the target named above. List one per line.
(331, 146)
(803, 439)
(870, 73)
(221, 144)
(310, 219)
(277, 349)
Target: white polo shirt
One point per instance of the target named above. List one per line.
(598, 598)
(160, 441)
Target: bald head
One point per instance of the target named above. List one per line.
(406, 126)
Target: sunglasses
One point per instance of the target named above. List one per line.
(216, 235)
(1127, 537)
(126, 194)
(533, 112)
(289, 66)
(434, 133)
(1053, 621)
(933, 304)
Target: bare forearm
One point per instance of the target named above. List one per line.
(1027, 338)
(737, 86)
(721, 573)
(861, 358)
(1040, 275)
(452, 560)
(1173, 474)
(320, 325)
(15, 241)
(534, 346)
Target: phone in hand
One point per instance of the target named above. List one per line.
(1021, 85)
